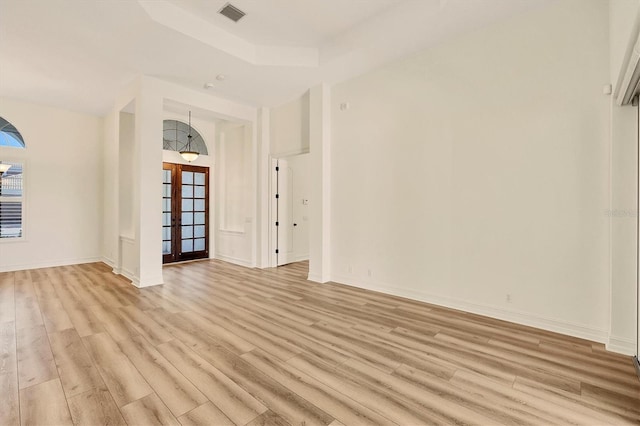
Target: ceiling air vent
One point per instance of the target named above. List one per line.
(231, 12)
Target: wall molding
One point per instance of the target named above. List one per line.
(621, 345)
(289, 153)
(234, 260)
(50, 264)
(232, 232)
(522, 318)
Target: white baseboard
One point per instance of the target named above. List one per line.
(234, 260)
(49, 264)
(128, 275)
(135, 280)
(112, 264)
(523, 318)
(108, 262)
(149, 282)
(319, 279)
(621, 345)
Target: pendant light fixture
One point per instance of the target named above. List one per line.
(188, 154)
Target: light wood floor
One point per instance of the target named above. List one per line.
(223, 345)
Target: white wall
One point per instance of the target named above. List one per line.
(125, 172)
(111, 233)
(234, 193)
(479, 169)
(129, 257)
(624, 189)
(289, 127)
(63, 187)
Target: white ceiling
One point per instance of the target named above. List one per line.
(290, 23)
(77, 54)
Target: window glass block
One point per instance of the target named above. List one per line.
(199, 231)
(187, 246)
(199, 178)
(187, 218)
(166, 232)
(198, 245)
(187, 178)
(199, 218)
(187, 232)
(166, 247)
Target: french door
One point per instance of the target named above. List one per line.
(185, 212)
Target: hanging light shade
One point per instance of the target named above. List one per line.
(189, 154)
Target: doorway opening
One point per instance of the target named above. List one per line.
(290, 209)
(185, 212)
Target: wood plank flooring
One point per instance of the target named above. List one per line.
(219, 344)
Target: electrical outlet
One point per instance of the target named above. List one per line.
(369, 273)
(350, 268)
(508, 298)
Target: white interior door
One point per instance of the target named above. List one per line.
(285, 221)
(299, 166)
(289, 209)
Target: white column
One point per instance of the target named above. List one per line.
(320, 187)
(148, 185)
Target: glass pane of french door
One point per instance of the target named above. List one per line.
(187, 212)
(167, 228)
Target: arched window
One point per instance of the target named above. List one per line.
(174, 137)
(9, 135)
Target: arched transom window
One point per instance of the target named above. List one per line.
(175, 134)
(9, 135)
